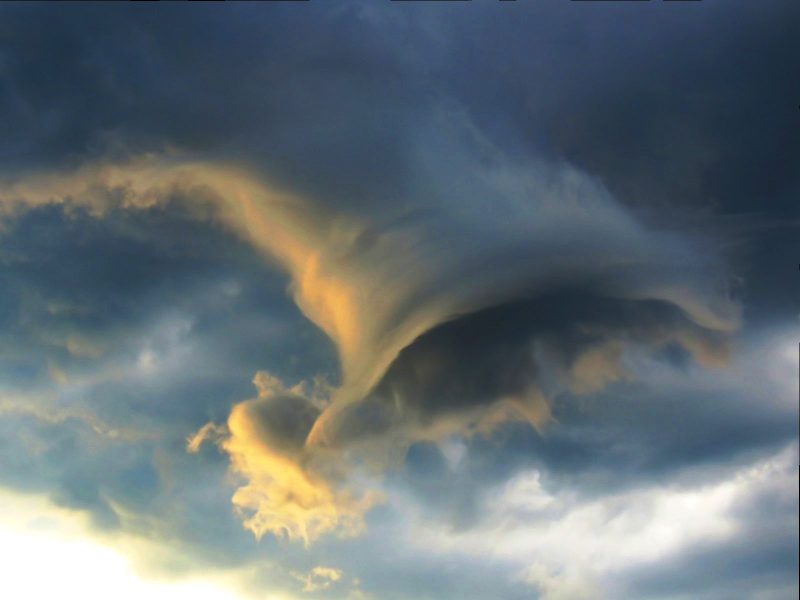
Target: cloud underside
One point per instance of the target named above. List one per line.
(473, 308)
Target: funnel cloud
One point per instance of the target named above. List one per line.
(385, 300)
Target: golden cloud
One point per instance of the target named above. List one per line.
(376, 286)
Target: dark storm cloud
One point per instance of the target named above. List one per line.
(304, 95)
(496, 231)
(679, 108)
(601, 84)
(506, 351)
(693, 110)
(671, 423)
(680, 113)
(667, 105)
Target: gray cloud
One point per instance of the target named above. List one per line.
(509, 202)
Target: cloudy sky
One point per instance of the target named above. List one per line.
(384, 300)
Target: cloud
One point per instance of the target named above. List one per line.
(183, 318)
(319, 578)
(498, 216)
(397, 289)
(265, 440)
(575, 546)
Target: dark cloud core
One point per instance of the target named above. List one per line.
(569, 338)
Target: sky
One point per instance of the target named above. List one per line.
(371, 300)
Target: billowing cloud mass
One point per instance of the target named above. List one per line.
(408, 301)
(448, 315)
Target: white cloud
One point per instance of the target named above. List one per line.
(563, 544)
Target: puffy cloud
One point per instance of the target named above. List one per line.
(283, 495)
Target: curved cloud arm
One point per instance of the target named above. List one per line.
(375, 283)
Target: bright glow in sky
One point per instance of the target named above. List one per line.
(46, 553)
